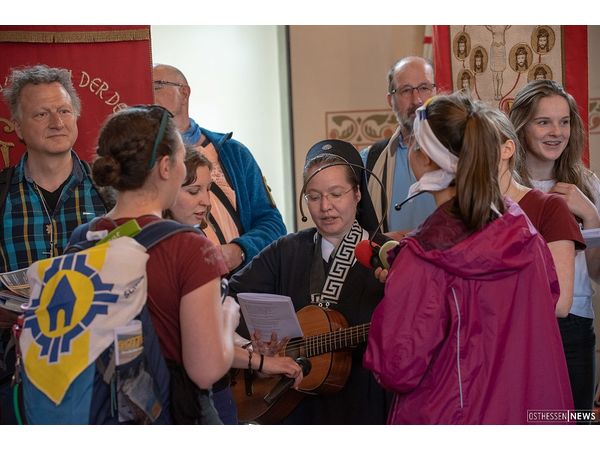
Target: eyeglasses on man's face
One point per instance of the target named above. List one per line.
(159, 84)
(334, 196)
(424, 89)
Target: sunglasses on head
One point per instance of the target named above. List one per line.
(164, 118)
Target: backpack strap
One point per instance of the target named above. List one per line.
(78, 240)
(218, 192)
(151, 234)
(5, 177)
(156, 232)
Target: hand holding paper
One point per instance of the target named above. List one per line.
(269, 315)
(268, 348)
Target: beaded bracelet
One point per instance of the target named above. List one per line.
(250, 361)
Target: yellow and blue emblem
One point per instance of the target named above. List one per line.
(77, 301)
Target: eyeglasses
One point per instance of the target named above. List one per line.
(423, 89)
(164, 119)
(159, 84)
(315, 197)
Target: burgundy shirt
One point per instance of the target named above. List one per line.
(551, 216)
(177, 266)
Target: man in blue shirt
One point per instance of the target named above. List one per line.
(410, 84)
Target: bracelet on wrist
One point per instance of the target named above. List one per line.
(262, 360)
(250, 361)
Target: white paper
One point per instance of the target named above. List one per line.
(16, 281)
(268, 313)
(591, 237)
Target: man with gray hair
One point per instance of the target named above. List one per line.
(49, 192)
(410, 84)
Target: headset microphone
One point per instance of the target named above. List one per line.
(303, 217)
(397, 206)
(367, 252)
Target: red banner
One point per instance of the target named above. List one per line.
(574, 70)
(111, 67)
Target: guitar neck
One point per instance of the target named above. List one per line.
(336, 340)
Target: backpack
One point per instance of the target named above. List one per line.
(90, 354)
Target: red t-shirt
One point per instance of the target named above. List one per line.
(551, 216)
(177, 266)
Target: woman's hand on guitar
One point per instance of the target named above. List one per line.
(283, 365)
(381, 274)
(268, 348)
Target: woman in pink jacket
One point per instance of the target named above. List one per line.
(466, 333)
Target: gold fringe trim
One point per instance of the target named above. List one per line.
(74, 37)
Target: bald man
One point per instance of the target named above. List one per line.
(244, 218)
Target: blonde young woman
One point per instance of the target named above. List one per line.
(551, 132)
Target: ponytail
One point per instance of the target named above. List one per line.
(467, 129)
(477, 190)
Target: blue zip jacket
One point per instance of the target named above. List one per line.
(260, 218)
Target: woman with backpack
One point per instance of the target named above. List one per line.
(552, 136)
(141, 155)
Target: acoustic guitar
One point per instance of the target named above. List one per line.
(326, 343)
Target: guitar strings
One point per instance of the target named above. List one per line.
(327, 339)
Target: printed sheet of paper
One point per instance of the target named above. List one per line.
(16, 281)
(268, 313)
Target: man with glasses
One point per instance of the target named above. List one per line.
(410, 84)
(50, 191)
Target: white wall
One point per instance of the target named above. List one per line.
(238, 76)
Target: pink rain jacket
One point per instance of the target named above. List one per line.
(466, 332)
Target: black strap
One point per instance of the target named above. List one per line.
(373, 154)
(383, 199)
(189, 404)
(5, 177)
(217, 229)
(228, 206)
